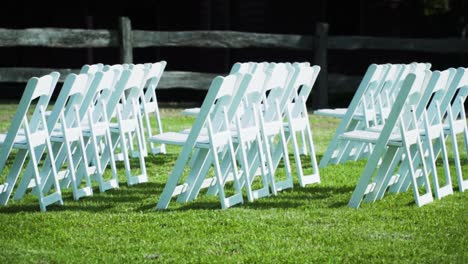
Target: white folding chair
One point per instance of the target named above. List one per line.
(400, 132)
(435, 127)
(297, 117)
(31, 137)
(95, 131)
(455, 122)
(246, 138)
(370, 107)
(457, 125)
(95, 125)
(271, 124)
(127, 91)
(430, 133)
(66, 136)
(149, 105)
(216, 115)
(335, 151)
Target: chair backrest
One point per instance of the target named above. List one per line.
(37, 89)
(93, 68)
(413, 100)
(458, 107)
(255, 90)
(98, 95)
(243, 67)
(118, 68)
(222, 95)
(407, 68)
(275, 87)
(252, 98)
(459, 80)
(127, 89)
(301, 84)
(71, 97)
(371, 80)
(230, 95)
(436, 88)
(402, 107)
(153, 74)
(389, 83)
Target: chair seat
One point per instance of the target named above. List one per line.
(191, 111)
(73, 134)
(20, 141)
(297, 124)
(372, 137)
(98, 128)
(126, 126)
(176, 138)
(150, 107)
(458, 127)
(336, 112)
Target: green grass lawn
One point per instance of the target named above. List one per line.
(302, 225)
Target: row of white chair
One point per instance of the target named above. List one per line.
(405, 140)
(98, 112)
(369, 107)
(248, 117)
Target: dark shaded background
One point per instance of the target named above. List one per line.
(396, 18)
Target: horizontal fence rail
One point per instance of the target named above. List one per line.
(93, 38)
(399, 44)
(58, 38)
(221, 39)
(127, 39)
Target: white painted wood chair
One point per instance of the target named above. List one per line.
(430, 112)
(30, 136)
(456, 125)
(335, 152)
(66, 136)
(216, 115)
(454, 119)
(400, 132)
(96, 130)
(94, 124)
(246, 138)
(149, 105)
(374, 107)
(124, 105)
(271, 124)
(295, 111)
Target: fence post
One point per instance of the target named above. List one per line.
(320, 58)
(125, 39)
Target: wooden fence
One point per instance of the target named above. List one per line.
(127, 39)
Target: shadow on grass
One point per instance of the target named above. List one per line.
(125, 196)
(135, 198)
(325, 197)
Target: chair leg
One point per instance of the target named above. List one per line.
(13, 176)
